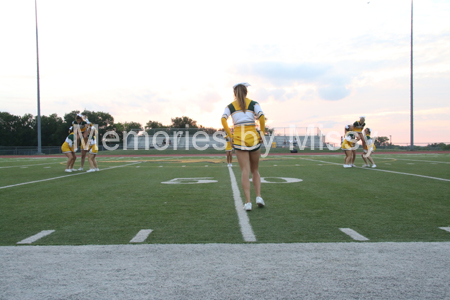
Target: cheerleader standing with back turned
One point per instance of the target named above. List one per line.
(246, 140)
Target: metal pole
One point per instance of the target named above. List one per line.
(39, 149)
(411, 92)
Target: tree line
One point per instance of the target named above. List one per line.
(22, 130)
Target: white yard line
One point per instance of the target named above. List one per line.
(141, 236)
(445, 228)
(30, 165)
(244, 222)
(53, 178)
(353, 234)
(381, 170)
(431, 161)
(35, 237)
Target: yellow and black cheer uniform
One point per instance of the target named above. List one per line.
(358, 126)
(228, 147)
(245, 137)
(93, 149)
(369, 144)
(84, 125)
(349, 141)
(68, 145)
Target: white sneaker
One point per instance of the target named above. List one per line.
(90, 170)
(97, 169)
(260, 202)
(347, 166)
(248, 206)
(80, 169)
(73, 170)
(68, 170)
(374, 166)
(365, 166)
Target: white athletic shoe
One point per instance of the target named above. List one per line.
(73, 170)
(365, 166)
(80, 169)
(90, 170)
(374, 166)
(347, 166)
(260, 202)
(97, 169)
(248, 206)
(68, 170)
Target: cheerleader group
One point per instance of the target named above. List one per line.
(354, 133)
(87, 145)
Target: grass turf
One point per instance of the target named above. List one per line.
(111, 206)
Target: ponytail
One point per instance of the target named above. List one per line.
(240, 92)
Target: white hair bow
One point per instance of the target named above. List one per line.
(246, 84)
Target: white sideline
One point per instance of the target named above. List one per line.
(244, 222)
(48, 179)
(35, 237)
(353, 234)
(381, 170)
(141, 236)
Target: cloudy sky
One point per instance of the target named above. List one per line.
(321, 63)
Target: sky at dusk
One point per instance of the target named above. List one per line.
(321, 63)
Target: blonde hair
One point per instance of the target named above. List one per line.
(240, 92)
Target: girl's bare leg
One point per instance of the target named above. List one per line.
(243, 158)
(254, 165)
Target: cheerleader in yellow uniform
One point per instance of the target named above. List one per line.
(85, 125)
(369, 148)
(349, 146)
(358, 127)
(93, 150)
(246, 140)
(229, 151)
(68, 149)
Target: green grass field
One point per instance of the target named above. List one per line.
(408, 203)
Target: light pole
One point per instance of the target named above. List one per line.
(39, 148)
(411, 75)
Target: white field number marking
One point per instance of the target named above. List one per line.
(285, 180)
(194, 180)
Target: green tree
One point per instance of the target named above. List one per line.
(154, 124)
(382, 141)
(53, 130)
(119, 128)
(132, 126)
(182, 122)
(8, 128)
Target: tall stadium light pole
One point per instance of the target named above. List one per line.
(39, 149)
(411, 75)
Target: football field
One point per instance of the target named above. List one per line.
(173, 227)
(193, 199)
